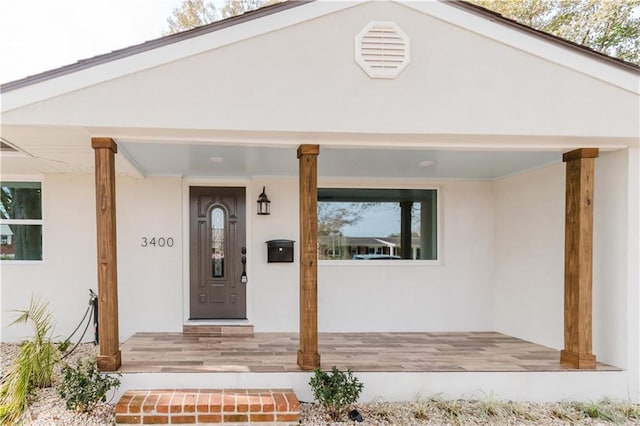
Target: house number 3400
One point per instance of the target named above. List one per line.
(157, 242)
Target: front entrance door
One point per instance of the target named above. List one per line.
(217, 250)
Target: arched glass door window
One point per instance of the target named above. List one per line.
(217, 242)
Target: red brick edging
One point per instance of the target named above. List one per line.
(213, 406)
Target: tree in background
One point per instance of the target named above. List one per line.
(194, 13)
(611, 27)
(191, 14)
(238, 7)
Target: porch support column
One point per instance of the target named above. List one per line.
(578, 258)
(109, 358)
(405, 229)
(308, 357)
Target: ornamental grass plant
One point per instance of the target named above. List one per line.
(34, 364)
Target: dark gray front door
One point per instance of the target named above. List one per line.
(217, 246)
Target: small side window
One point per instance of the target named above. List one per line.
(20, 221)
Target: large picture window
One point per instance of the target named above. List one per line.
(20, 221)
(377, 224)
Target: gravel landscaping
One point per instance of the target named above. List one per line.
(47, 408)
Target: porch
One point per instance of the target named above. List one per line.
(392, 366)
(360, 352)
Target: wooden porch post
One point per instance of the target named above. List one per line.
(308, 357)
(109, 356)
(578, 258)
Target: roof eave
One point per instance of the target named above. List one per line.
(269, 10)
(150, 45)
(497, 17)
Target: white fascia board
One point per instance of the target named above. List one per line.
(278, 139)
(168, 53)
(511, 37)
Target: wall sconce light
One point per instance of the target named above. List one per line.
(263, 203)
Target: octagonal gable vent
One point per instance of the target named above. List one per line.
(382, 49)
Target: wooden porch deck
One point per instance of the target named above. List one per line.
(361, 352)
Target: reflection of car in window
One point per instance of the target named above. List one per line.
(374, 256)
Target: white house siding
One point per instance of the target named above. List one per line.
(633, 266)
(153, 281)
(502, 257)
(453, 296)
(529, 259)
(273, 296)
(610, 273)
(68, 270)
(304, 78)
(149, 280)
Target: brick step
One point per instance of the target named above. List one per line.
(208, 406)
(217, 330)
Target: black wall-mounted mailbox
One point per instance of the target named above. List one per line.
(279, 251)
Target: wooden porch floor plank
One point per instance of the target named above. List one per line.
(374, 352)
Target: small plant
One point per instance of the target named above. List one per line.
(629, 411)
(490, 406)
(420, 412)
(598, 410)
(518, 410)
(34, 364)
(384, 412)
(83, 387)
(452, 410)
(64, 345)
(562, 413)
(335, 391)
(420, 409)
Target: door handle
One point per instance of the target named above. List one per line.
(243, 260)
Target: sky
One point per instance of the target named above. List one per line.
(39, 35)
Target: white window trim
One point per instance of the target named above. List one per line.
(387, 263)
(20, 221)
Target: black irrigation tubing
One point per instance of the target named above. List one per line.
(89, 308)
(79, 341)
(82, 320)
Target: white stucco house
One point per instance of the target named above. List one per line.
(490, 138)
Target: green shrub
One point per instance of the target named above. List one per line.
(34, 364)
(83, 387)
(335, 391)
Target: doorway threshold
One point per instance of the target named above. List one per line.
(218, 328)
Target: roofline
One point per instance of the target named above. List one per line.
(151, 44)
(289, 4)
(497, 17)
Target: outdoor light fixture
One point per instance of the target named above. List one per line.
(263, 203)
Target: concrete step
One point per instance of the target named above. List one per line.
(218, 330)
(209, 406)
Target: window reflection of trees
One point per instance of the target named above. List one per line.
(21, 214)
(377, 224)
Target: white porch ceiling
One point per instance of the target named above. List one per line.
(239, 161)
(48, 149)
